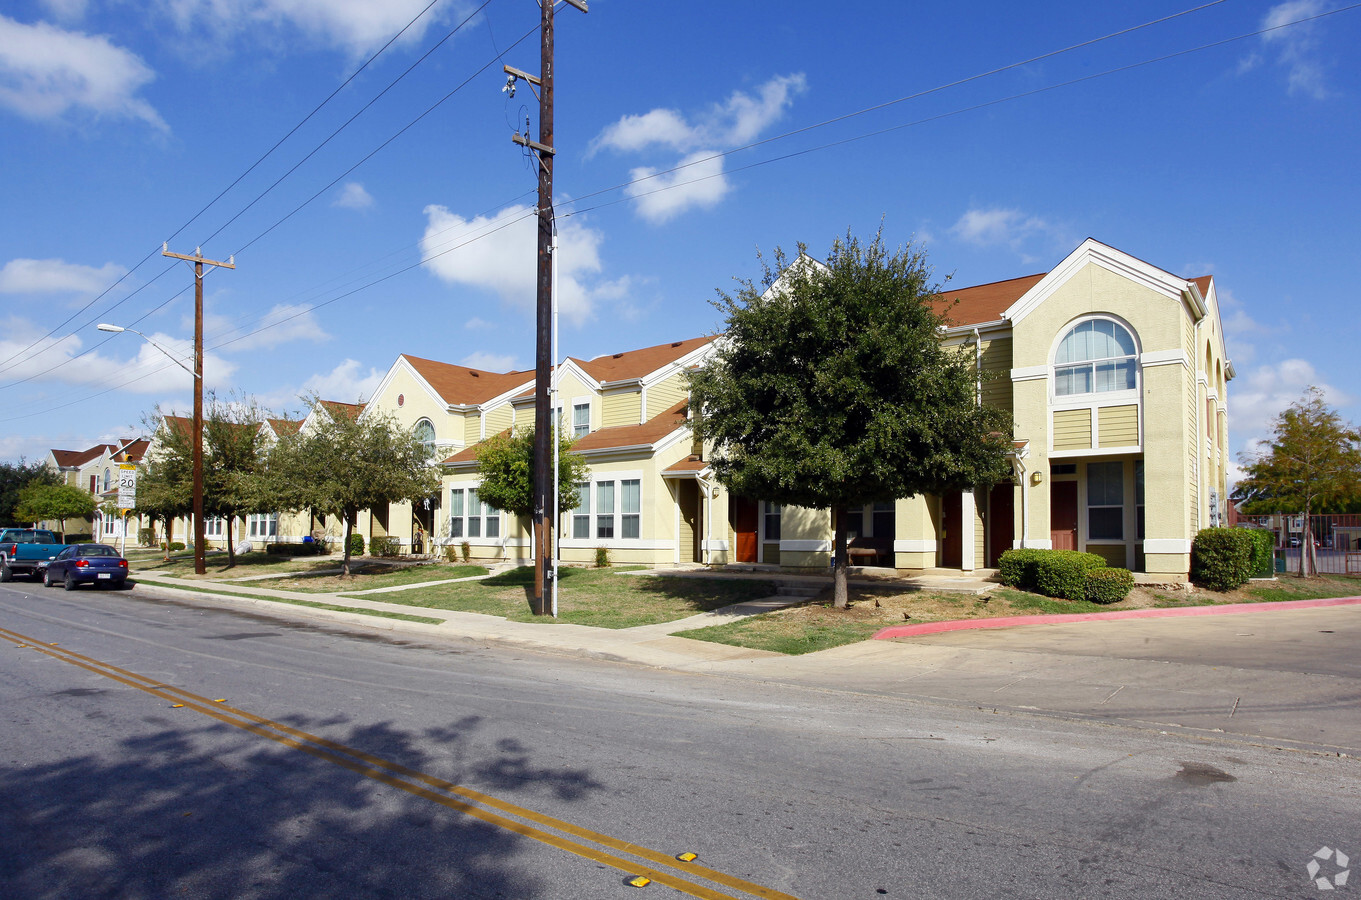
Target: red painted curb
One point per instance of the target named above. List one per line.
(895, 631)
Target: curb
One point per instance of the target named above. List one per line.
(897, 631)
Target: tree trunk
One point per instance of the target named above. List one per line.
(349, 529)
(169, 535)
(839, 564)
(1307, 563)
(231, 552)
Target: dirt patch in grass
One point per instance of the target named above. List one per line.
(817, 625)
(372, 575)
(603, 598)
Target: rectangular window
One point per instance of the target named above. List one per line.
(1139, 497)
(213, 526)
(262, 525)
(1106, 501)
(456, 513)
(884, 518)
(581, 419)
(631, 502)
(604, 509)
(855, 523)
(492, 518)
(772, 515)
(581, 516)
(474, 514)
(108, 524)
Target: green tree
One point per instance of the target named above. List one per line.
(234, 483)
(348, 464)
(1311, 464)
(14, 477)
(831, 389)
(506, 464)
(39, 502)
(165, 478)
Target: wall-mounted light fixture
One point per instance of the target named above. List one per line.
(1036, 477)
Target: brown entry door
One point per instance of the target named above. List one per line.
(1063, 514)
(744, 520)
(952, 519)
(1001, 521)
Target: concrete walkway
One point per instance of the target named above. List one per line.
(1282, 676)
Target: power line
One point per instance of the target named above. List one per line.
(233, 184)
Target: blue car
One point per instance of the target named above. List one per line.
(96, 563)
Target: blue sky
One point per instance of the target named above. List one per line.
(122, 121)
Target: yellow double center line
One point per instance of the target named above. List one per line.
(573, 839)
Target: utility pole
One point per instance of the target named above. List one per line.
(200, 562)
(545, 498)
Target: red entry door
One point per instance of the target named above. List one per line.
(744, 519)
(1001, 520)
(1063, 514)
(952, 520)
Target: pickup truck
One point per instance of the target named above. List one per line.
(26, 551)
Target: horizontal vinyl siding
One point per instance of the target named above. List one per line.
(1118, 426)
(622, 409)
(499, 419)
(663, 396)
(1073, 429)
(996, 374)
(472, 429)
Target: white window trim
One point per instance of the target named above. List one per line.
(1093, 398)
(566, 520)
(481, 540)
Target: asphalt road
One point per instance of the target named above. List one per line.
(168, 750)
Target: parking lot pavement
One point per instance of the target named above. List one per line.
(1284, 677)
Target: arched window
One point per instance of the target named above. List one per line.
(108, 479)
(1096, 356)
(425, 433)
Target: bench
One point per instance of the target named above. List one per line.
(868, 551)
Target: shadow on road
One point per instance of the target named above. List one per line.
(209, 811)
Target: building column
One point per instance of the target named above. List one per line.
(968, 522)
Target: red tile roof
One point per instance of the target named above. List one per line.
(1203, 282)
(284, 426)
(133, 450)
(650, 432)
(637, 363)
(460, 385)
(984, 302)
(336, 408)
(688, 465)
(76, 458)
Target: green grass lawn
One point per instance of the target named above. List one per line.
(378, 613)
(257, 562)
(598, 597)
(784, 634)
(371, 575)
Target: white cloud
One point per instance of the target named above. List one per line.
(738, 120)
(1296, 46)
(353, 196)
(55, 276)
(490, 362)
(148, 372)
(1258, 397)
(502, 258)
(67, 10)
(697, 183)
(47, 72)
(477, 324)
(356, 26)
(283, 324)
(1012, 228)
(347, 382)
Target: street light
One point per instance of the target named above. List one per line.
(200, 560)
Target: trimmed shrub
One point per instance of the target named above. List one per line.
(602, 557)
(1221, 558)
(466, 549)
(450, 553)
(1016, 568)
(1108, 585)
(356, 545)
(176, 546)
(78, 538)
(1263, 552)
(1063, 573)
(384, 546)
(312, 548)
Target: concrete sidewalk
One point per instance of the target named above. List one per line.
(1285, 677)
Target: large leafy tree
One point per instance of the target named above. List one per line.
(830, 389)
(58, 502)
(506, 464)
(165, 491)
(1311, 464)
(14, 477)
(348, 464)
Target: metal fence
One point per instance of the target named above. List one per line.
(1336, 541)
